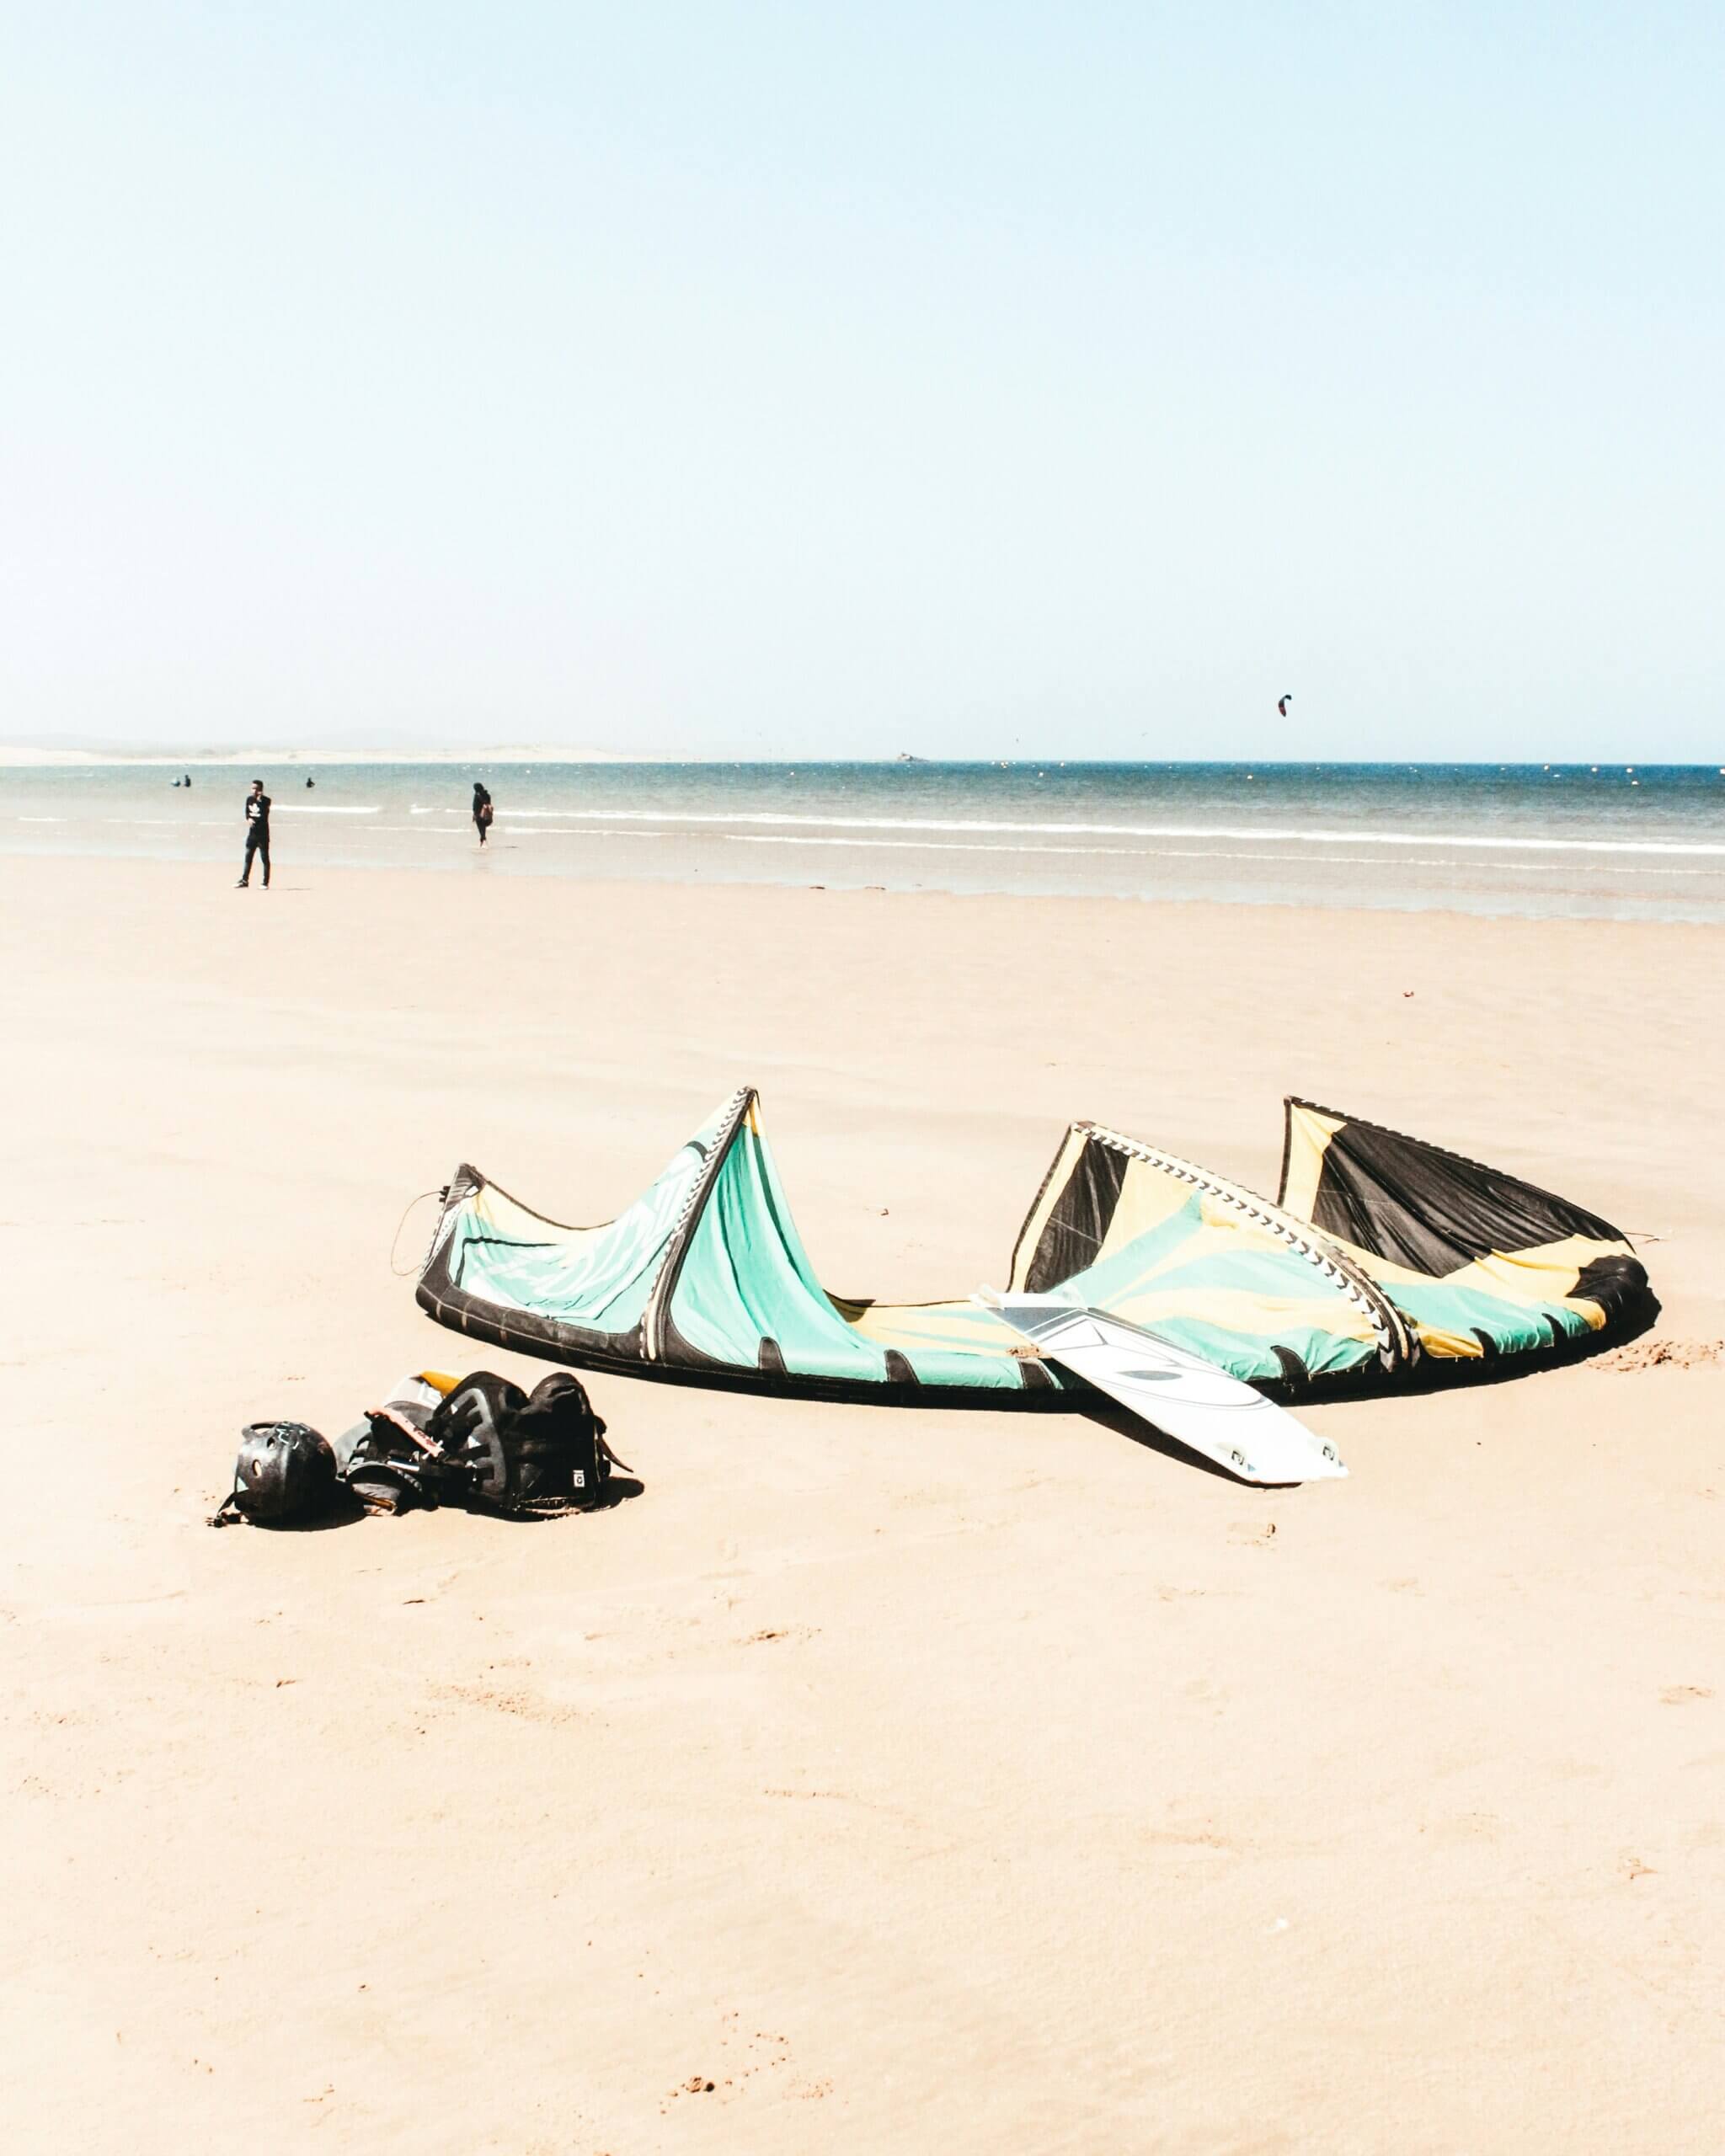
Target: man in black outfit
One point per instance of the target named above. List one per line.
(257, 834)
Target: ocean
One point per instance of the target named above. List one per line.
(1631, 842)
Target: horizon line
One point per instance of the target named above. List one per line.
(38, 755)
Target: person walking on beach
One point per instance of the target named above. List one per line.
(257, 834)
(481, 811)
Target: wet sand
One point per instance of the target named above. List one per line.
(954, 1781)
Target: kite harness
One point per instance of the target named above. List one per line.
(484, 1444)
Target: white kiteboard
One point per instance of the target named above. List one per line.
(1183, 1395)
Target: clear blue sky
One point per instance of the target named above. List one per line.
(841, 379)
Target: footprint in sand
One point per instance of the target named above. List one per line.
(762, 2050)
(1465, 1826)
(1678, 1695)
(1649, 1354)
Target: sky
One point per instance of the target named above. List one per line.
(773, 379)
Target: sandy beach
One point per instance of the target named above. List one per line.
(870, 1781)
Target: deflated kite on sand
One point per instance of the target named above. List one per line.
(1385, 1262)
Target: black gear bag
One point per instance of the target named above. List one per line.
(490, 1447)
(532, 1452)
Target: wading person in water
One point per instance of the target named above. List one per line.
(257, 834)
(481, 811)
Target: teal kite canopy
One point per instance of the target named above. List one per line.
(1384, 1258)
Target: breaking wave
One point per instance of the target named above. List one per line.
(1282, 835)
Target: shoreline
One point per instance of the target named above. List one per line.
(511, 859)
(213, 865)
(299, 877)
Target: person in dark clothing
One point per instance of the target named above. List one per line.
(257, 834)
(481, 811)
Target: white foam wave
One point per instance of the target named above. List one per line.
(936, 846)
(324, 808)
(1128, 852)
(1496, 842)
(584, 831)
(1164, 853)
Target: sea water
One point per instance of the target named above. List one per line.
(1612, 840)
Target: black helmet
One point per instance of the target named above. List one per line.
(285, 1471)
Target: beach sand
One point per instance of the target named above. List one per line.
(871, 1781)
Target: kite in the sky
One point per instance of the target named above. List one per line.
(1282, 704)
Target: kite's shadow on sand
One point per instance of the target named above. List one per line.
(1110, 1414)
(1431, 1376)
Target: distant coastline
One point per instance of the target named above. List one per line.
(44, 756)
(17, 753)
